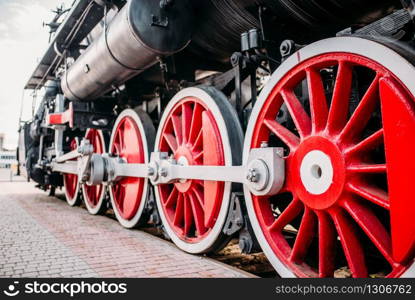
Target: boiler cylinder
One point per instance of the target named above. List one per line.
(139, 34)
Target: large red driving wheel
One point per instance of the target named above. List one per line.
(131, 139)
(343, 110)
(71, 183)
(94, 195)
(196, 129)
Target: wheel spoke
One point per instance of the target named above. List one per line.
(188, 215)
(196, 126)
(198, 155)
(305, 236)
(363, 112)
(119, 144)
(371, 225)
(340, 102)
(370, 143)
(177, 127)
(286, 136)
(171, 141)
(173, 197)
(352, 248)
(326, 245)
(187, 115)
(318, 101)
(367, 168)
(200, 183)
(299, 115)
(198, 215)
(179, 211)
(74, 184)
(92, 194)
(290, 213)
(123, 128)
(368, 192)
(198, 144)
(129, 135)
(121, 197)
(199, 195)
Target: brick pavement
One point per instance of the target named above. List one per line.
(42, 236)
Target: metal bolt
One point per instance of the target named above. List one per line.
(239, 222)
(287, 48)
(280, 152)
(264, 144)
(163, 172)
(151, 171)
(252, 175)
(171, 159)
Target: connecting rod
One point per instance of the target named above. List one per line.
(263, 172)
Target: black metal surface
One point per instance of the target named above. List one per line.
(220, 24)
(217, 24)
(163, 28)
(96, 114)
(329, 16)
(390, 26)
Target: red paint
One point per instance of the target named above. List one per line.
(399, 126)
(346, 209)
(71, 180)
(192, 206)
(94, 193)
(128, 145)
(61, 118)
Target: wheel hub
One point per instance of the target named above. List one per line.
(321, 172)
(184, 157)
(316, 172)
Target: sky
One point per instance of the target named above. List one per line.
(23, 40)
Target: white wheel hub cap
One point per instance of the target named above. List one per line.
(316, 172)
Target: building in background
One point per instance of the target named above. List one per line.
(8, 159)
(2, 136)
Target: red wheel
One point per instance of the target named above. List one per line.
(71, 183)
(94, 195)
(198, 127)
(131, 139)
(344, 111)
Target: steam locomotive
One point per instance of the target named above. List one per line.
(289, 124)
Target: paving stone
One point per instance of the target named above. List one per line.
(42, 236)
